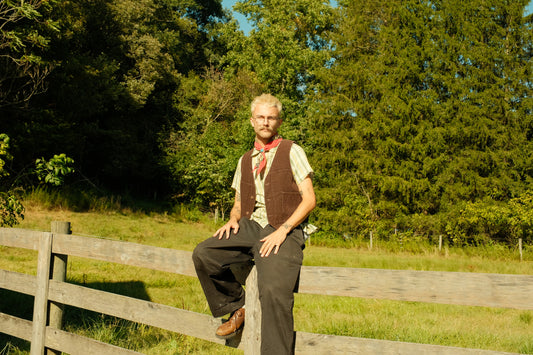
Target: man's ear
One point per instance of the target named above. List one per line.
(252, 121)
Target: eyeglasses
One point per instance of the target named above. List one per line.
(268, 118)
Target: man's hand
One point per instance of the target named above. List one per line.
(233, 223)
(226, 229)
(273, 241)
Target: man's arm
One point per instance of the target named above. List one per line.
(234, 218)
(273, 241)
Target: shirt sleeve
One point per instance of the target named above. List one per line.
(299, 164)
(236, 185)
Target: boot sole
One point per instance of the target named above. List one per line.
(231, 335)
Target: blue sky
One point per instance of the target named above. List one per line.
(245, 26)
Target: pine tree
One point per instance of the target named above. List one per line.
(426, 107)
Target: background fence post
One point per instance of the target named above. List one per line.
(59, 273)
(252, 329)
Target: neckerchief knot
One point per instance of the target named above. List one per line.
(260, 166)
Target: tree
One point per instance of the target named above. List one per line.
(427, 106)
(285, 45)
(284, 50)
(24, 33)
(11, 209)
(202, 152)
(279, 56)
(118, 65)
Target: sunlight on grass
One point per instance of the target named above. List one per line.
(473, 327)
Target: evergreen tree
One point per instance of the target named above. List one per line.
(427, 106)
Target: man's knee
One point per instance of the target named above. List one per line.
(198, 255)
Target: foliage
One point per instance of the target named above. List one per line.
(286, 44)
(490, 221)
(4, 153)
(279, 56)
(426, 107)
(24, 33)
(117, 66)
(413, 113)
(11, 209)
(53, 171)
(202, 152)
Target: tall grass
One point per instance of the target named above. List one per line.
(474, 327)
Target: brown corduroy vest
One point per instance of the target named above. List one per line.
(282, 196)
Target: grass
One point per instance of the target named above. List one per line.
(473, 327)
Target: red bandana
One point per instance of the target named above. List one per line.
(262, 162)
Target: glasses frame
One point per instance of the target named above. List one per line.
(267, 118)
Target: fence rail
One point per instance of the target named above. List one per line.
(490, 290)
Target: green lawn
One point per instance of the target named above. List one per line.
(474, 327)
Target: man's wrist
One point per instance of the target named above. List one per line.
(287, 227)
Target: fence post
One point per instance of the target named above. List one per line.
(252, 329)
(40, 306)
(440, 242)
(59, 273)
(520, 247)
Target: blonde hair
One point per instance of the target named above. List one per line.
(269, 100)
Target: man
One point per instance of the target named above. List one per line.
(274, 195)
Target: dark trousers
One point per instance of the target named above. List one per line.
(277, 277)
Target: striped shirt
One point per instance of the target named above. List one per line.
(300, 170)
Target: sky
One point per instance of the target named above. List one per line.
(246, 27)
(529, 8)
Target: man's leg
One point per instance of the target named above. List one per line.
(212, 259)
(277, 276)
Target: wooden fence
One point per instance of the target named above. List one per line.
(51, 292)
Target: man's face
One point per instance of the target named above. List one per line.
(265, 121)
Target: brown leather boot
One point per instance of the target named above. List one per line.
(233, 326)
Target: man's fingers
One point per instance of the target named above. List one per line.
(266, 249)
(226, 230)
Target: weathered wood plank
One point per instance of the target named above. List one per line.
(18, 282)
(309, 343)
(162, 259)
(176, 320)
(40, 306)
(252, 330)
(79, 345)
(492, 290)
(20, 238)
(489, 290)
(14, 326)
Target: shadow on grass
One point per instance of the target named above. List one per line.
(82, 321)
(78, 318)
(18, 305)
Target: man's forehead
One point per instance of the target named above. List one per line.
(266, 108)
